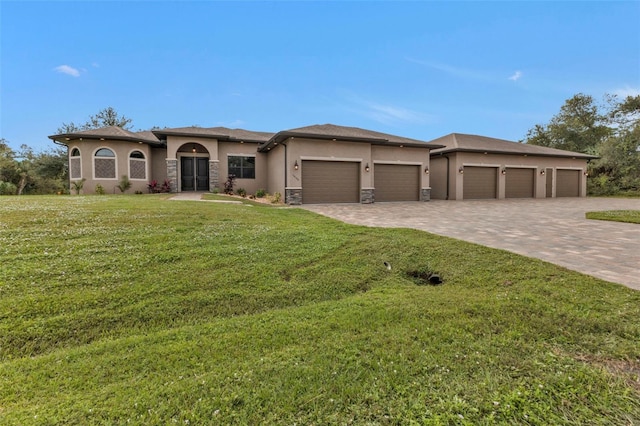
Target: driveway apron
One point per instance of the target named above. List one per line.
(554, 229)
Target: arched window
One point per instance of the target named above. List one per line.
(137, 165)
(75, 164)
(104, 164)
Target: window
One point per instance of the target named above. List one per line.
(104, 164)
(75, 164)
(137, 165)
(242, 167)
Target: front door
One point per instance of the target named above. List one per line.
(194, 173)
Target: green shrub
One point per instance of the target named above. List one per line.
(7, 188)
(100, 189)
(124, 183)
(242, 192)
(260, 193)
(77, 185)
(276, 198)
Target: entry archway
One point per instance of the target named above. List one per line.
(194, 167)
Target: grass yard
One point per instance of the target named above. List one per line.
(136, 309)
(629, 216)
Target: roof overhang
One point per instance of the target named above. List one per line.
(66, 138)
(575, 155)
(162, 135)
(286, 135)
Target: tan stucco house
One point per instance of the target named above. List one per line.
(314, 164)
(322, 164)
(478, 167)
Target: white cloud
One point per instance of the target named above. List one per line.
(627, 91)
(66, 69)
(95, 64)
(516, 76)
(387, 114)
(451, 70)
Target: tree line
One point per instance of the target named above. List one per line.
(29, 172)
(609, 130)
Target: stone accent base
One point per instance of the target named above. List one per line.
(214, 175)
(293, 196)
(367, 196)
(172, 174)
(425, 194)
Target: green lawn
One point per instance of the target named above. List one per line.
(630, 216)
(117, 309)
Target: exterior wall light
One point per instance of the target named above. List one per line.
(542, 172)
(367, 168)
(295, 165)
(504, 171)
(426, 170)
(461, 170)
(586, 173)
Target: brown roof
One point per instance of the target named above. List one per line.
(109, 132)
(355, 134)
(473, 143)
(222, 133)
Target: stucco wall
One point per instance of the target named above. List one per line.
(226, 149)
(539, 163)
(300, 149)
(397, 155)
(438, 178)
(276, 167)
(176, 143)
(122, 150)
(158, 164)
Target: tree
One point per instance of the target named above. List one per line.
(618, 168)
(106, 117)
(611, 132)
(579, 127)
(27, 172)
(9, 169)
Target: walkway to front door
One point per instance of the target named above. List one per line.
(194, 173)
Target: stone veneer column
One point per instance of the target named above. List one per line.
(367, 196)
(293, 196)
(172, 173)
(425, 194)
(214, 174)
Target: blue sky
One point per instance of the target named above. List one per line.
(414, 69)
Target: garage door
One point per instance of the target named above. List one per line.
(394, 182)
(567, 183)
(330, 182)
(479, 183)
(519, 183)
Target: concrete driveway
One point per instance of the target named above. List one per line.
(553, 229)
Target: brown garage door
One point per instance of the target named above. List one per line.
(567, 183)
(519, 183)
(479, 183)
(330, 182)
(395, 182)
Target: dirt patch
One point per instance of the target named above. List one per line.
(425, 277)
